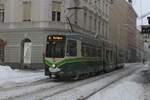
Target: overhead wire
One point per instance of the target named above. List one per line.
(141, 12)
(134, 2)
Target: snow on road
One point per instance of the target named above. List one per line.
(9, 76)
(125, 90)
(85, 90)
(130, 88)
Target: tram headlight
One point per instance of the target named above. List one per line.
(54, 65)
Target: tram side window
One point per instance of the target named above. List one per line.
(88, 50)
(93, 52)
(111, 55)
(107, 55)
(71, 48)
(83, 52)
(99, 52)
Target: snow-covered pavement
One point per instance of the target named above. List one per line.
(9, 76)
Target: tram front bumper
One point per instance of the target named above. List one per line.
(55, 72)
(58, 73)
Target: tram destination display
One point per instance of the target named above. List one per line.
(55, 38)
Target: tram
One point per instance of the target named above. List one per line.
(76, 56)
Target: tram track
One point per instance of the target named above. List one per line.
(108, 85)
(25, 84)
(68, 91)
(9, 93)
(104, 87)
(58, 88)
(21, 81)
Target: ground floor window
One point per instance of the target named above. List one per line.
(2, 44)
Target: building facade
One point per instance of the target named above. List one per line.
(146, 41)
(140, 45)
(24, 25)
(123, 28)
(119, 26)
(132, 34)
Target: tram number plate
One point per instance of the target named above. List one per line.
(53, 76)
(54, 70)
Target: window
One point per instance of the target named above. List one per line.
(1, 12)
(106, 30)
(90, 21)
(71, 48)
(85, 18)
(99, 51)
(83, 53)
(99, 27)
(26, 10)
(107, 55)
(56, 11)
(103, 28)
(55, 49)
(93, 52)
(1, 51)
(95, 24)
(89, 50)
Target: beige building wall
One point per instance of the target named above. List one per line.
(90, 19)
(123, 28)
(118, 23)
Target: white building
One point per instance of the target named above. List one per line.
(32, 20)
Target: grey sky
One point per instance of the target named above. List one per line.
(145, 4)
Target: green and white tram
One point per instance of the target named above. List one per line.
(75, 56)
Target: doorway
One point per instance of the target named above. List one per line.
(26, 52)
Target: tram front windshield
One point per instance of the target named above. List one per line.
(55, 49)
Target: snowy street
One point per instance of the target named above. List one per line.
(130, 83)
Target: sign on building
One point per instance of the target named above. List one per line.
(145, 29)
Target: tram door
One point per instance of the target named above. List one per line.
(1, 51)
